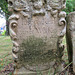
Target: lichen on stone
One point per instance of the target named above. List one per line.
(34, 50)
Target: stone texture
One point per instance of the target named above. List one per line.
(71, 38)
(36, 29)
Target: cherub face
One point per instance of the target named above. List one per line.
(38, 4)
(54, 3)
(10, 5)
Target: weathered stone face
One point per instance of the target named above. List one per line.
(36, 29)
(71, 38)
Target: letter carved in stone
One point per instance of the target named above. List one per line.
(37, 28)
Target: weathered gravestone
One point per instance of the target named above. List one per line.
(36, 29)
(70, 34)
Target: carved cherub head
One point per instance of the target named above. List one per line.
(18, 5)
(21, 5)
(56, 4)
(10, 5)
(38, 4)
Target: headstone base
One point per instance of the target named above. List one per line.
(23, 71)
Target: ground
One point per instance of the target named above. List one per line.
(5, 55)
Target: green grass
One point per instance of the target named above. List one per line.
(65, 56)
(5, 44)
(5, 51)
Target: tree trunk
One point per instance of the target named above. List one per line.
(7, 27)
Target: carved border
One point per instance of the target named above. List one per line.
(12, 25)
(61, 22)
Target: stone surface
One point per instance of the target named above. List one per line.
(71, 38)
(36, 29)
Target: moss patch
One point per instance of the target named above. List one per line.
(35, 50)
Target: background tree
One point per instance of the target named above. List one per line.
(4, 9)
(70, 6)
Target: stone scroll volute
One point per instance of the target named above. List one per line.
(36, 29)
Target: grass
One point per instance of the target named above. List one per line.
(5, 51)
(5, 44)
(65, 56)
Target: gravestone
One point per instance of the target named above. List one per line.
(70, 35)
(37, 28)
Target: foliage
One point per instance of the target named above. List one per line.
(4, 12)
(4, 8)
(3, 33)
(70, 6)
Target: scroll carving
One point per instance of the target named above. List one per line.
(13, 25)
(61, 22)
